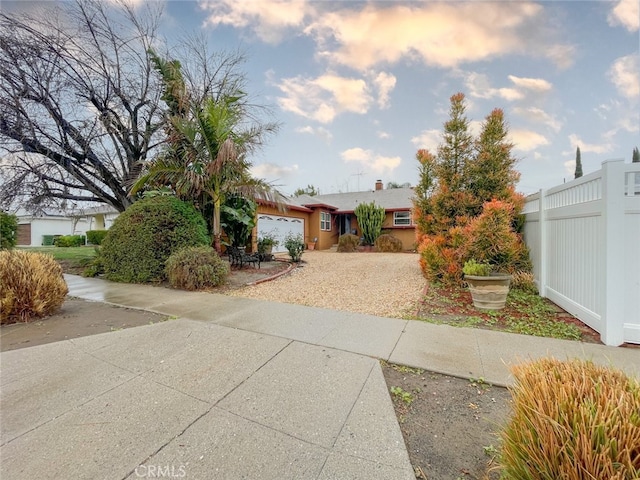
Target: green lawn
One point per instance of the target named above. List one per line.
(72, 254)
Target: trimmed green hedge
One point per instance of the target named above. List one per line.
(141, 239)
(95, 237)
(69, 241)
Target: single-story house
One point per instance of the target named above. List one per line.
(326, 217)
(33, 227)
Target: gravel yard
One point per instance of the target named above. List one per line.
(384, 284)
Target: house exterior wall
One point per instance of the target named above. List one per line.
(583, 242)
(326, 238)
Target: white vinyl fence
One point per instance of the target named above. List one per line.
(584, 239)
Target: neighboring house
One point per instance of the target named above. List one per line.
(34, 226)
(326, 217)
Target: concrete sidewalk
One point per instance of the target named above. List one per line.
(235, 388)
(463, 352)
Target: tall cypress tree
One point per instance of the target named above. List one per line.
(456, 149)
(636, 156)
(578, 173)
(491, 173)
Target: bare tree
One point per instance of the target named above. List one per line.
(79, 102)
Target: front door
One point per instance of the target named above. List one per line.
(344, 223)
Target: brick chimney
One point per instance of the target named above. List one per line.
(379, 185)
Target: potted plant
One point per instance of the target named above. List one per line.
(312, 244)
(489, 290)
(266, 243)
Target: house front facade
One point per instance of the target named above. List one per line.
(324, 218)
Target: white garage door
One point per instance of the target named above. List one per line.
(279, 227)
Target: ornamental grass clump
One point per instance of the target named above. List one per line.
(194, 268)
(32, 285)
(388, 243)
(348, 243)
(573, 421)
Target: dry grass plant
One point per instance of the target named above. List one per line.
(573, 421)
(348, 243)
(388, 243)
(32, 286)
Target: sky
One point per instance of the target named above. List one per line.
(359, 87)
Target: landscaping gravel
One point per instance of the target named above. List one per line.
(383, 284)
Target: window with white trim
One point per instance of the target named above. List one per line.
(401, 219)
(325, 221)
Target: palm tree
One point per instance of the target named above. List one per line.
(206, 155)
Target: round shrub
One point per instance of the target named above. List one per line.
(141, 239)
(388, 243)
(32, 285)
(348, 243)
(193, 268)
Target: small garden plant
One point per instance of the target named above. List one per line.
(471, 267)
(294, 245)
(266, 241)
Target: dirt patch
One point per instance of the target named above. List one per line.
(76, 318)
(449, 424)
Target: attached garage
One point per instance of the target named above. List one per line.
(279, 227)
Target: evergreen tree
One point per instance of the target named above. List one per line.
(578, 173)
(449, 200)
(422, 205)
(636, 156)
(491, 174)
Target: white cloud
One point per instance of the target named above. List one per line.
(576, 141)
(383, 135)
(480, 87)
(539, 116)
(377, 163)
(323, 98)
(443, 34)
(271, 171)
(627, 14)
(364, 35)
(385, 83)
(268, 19)
(534, 84)
(428, 139)
(527, 140)
(317, 131)
(624, 75)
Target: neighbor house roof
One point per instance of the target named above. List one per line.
(392, 199)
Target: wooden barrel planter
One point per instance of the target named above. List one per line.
(489, 292)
